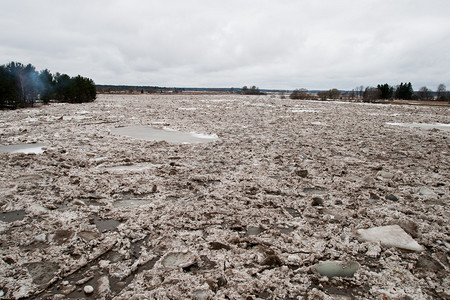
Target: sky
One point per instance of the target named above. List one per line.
(278, 44)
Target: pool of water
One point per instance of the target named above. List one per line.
(105, 225)
(293, 212)
(23, 148)
(251, 230)
(164, 134)
(131, 203)
(439, 126)
(130, 168)
(12, 216)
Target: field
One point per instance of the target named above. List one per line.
(275, 190)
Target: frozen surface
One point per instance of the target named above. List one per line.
(131, 168)
(390, 236)
(336, 268)
(253, 214)
(164, 134)
(439, 126)
(23, 148)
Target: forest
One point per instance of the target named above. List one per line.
(23, 86)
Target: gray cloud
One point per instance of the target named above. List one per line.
(272, 44)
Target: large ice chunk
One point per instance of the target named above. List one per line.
(336, 268)
(390, 236)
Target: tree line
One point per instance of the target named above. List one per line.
(254, 90)
(403, 91)
(23, 86)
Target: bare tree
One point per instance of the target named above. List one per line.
(424, 93)
(371, 94)
(360, 90)
(323, 95)
(334, 94)
(300, 94)
(441, 92)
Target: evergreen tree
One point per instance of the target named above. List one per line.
(404, 91)
(47, 86)
(22, 86)
(386, 91)
(8, 88)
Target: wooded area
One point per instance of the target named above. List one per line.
(23, 86)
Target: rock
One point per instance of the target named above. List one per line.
(88, 289)
(385, 175)
(302, 173)
(391, 197)
(9, 260)
(317, 201)
(336, 268)
(218, 246)
(221, 281)
(272, 260)
(374, 196)
(390, 236)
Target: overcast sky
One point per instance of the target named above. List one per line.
(286, 44)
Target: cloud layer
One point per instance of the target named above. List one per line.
(272, 44)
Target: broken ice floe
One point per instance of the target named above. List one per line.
(390, 236)
(178, 260)
(336, 268)
(426, 192)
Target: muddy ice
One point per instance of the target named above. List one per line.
(288, 200)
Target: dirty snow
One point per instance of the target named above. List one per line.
(249, 214)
